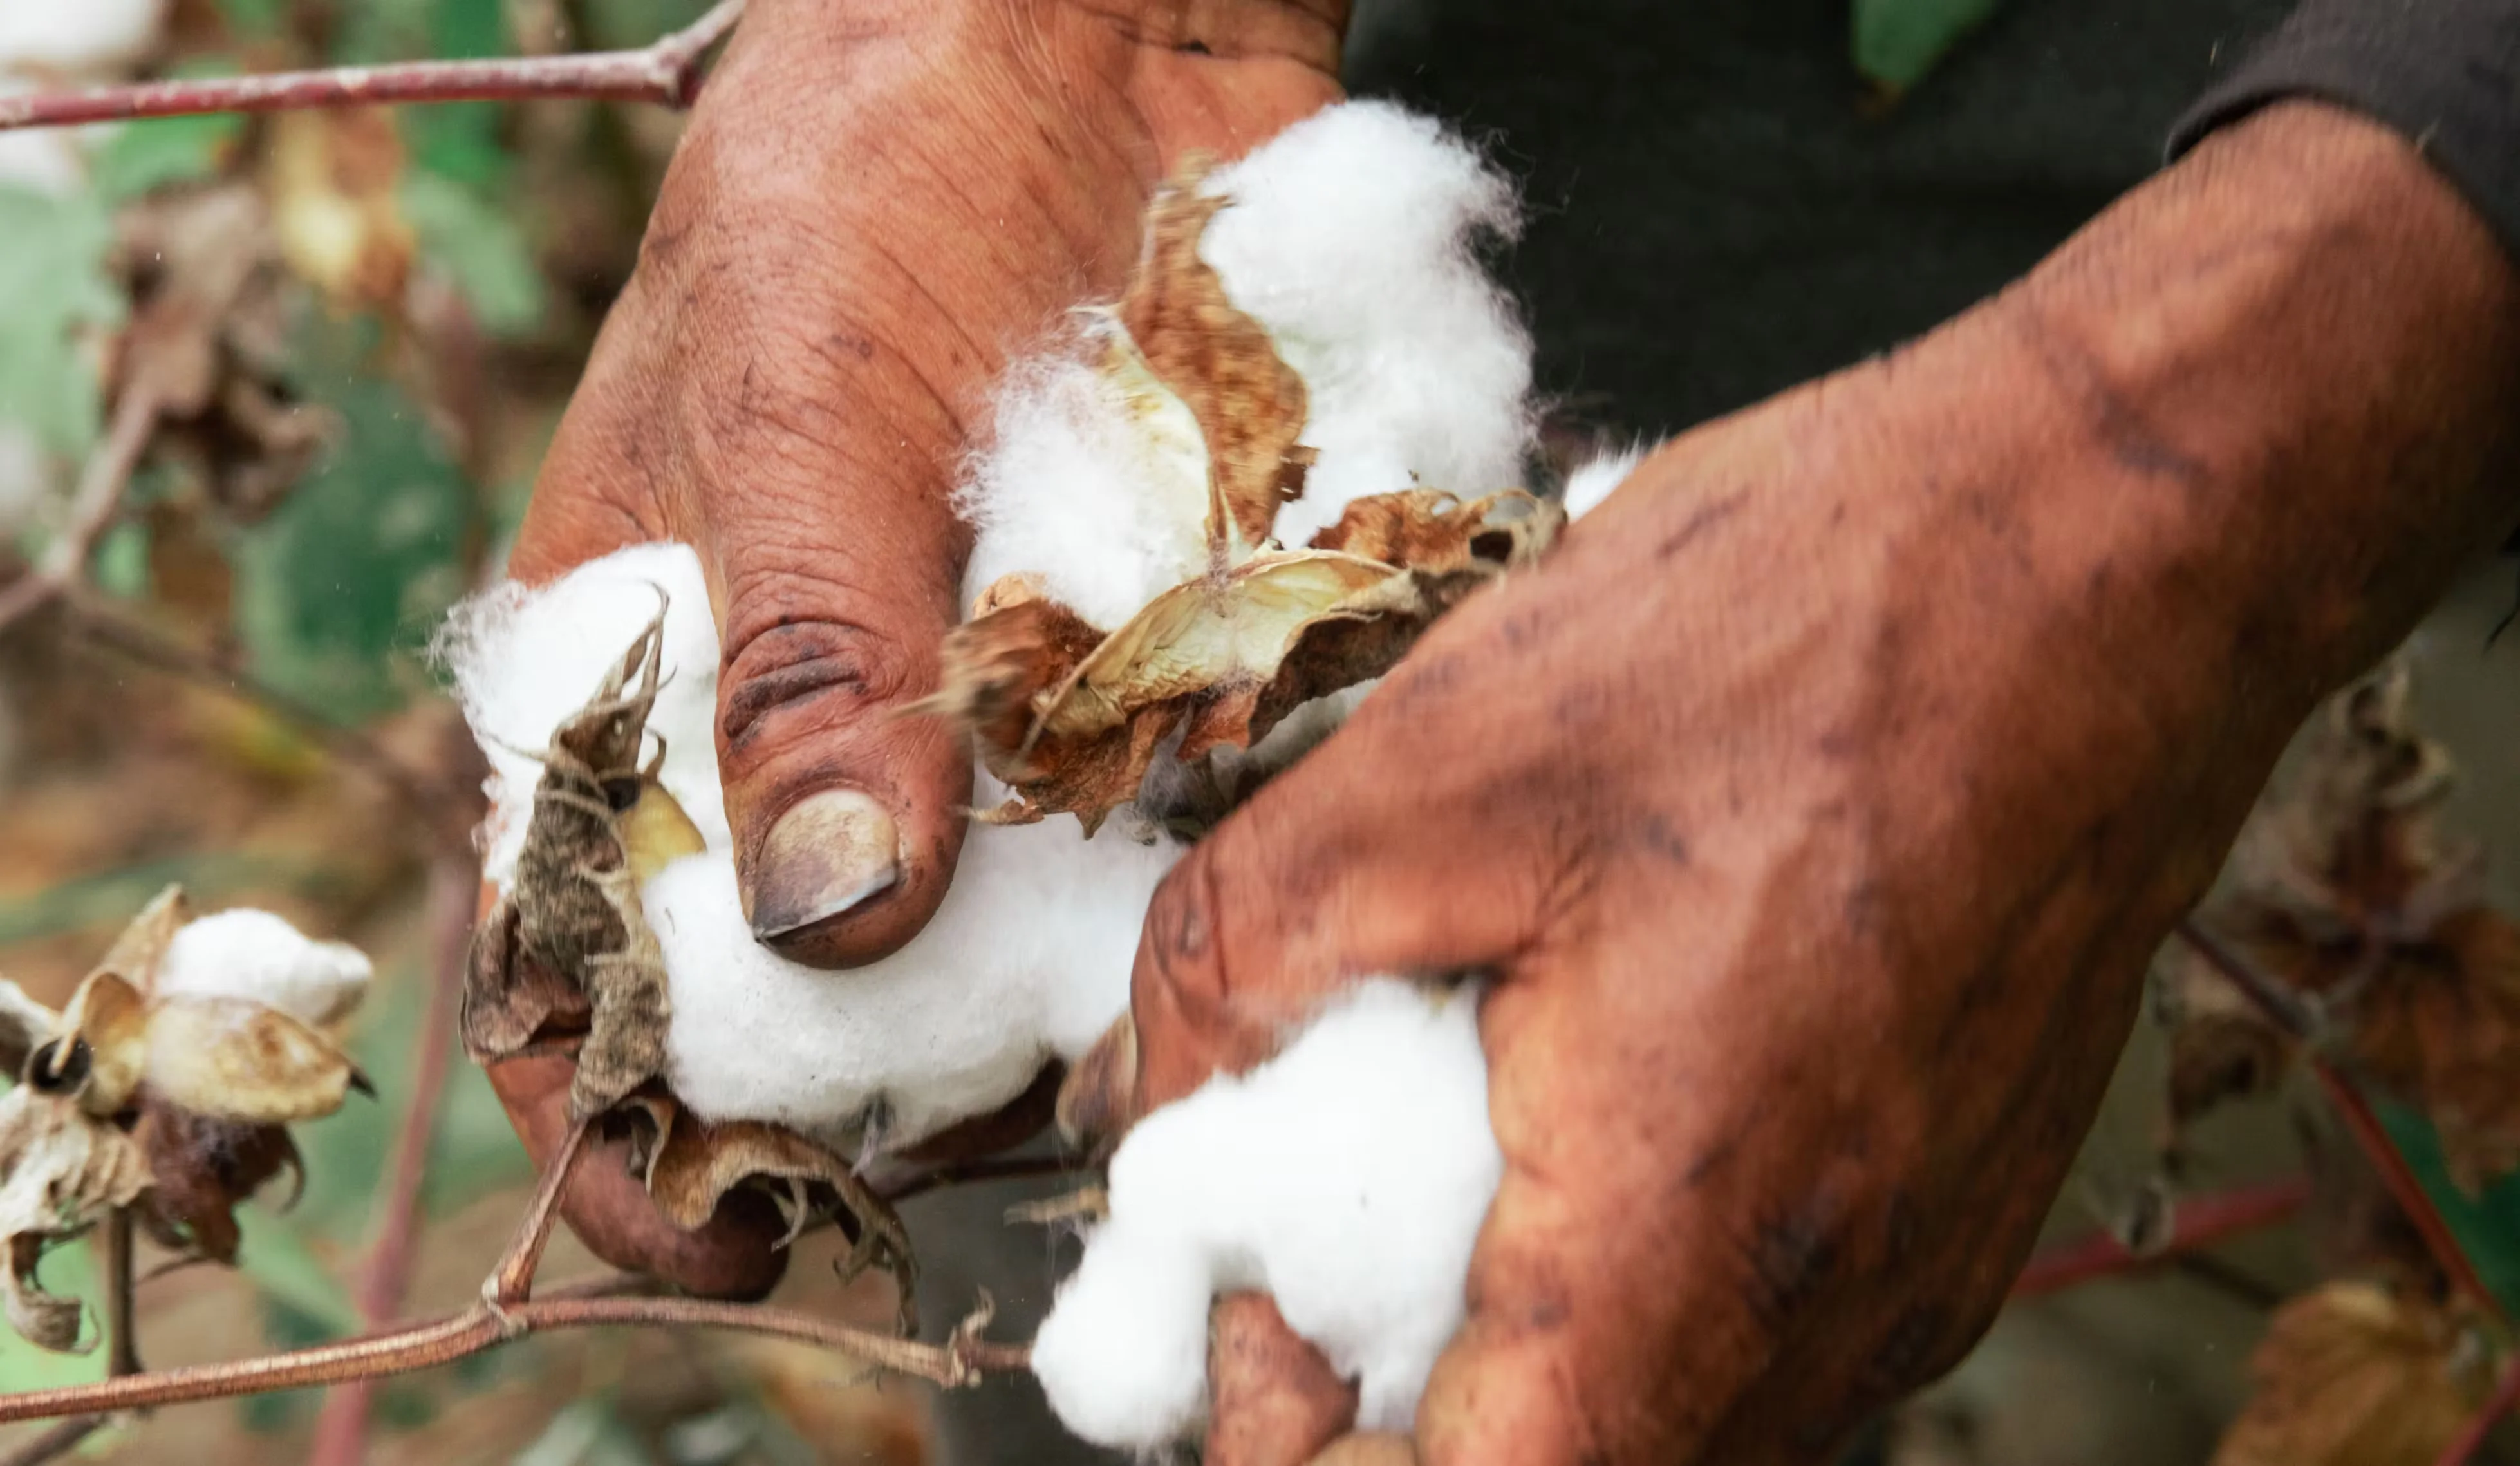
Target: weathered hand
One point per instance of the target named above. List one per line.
(874, 205)
(1817, 807)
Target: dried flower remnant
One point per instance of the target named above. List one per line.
(2347, 892)
(2356, 1374)
(155, 1090)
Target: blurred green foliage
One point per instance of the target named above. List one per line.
(1896, 43)
(54, 296)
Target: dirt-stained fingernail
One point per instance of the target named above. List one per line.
(830, 853)
(1095, 1101)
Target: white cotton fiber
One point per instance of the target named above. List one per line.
(78, 36)
(1592, 482)
(524, 660)
(254, 954)
(1351, 239)
(1099, 495)
(1347, 1177)
(1029, 957)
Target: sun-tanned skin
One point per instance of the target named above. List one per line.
(1817, 806)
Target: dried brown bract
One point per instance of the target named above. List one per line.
(2347, 893)
(571, 942)
(2359, 1375)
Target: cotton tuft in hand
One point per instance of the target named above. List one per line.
(1346, 1178)
(1352, 237)
(1028, 957)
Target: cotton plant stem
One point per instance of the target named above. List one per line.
(513, 1281)
(2498, 1404)
(94, 504)
(2286, 1012)
(121, 1347)
(666, 73)
(340, 1429)
(2199, 1223)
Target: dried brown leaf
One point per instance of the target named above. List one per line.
(998, 662)
(24, 1023)
(202, 1166)
(333, 179)
(2355, 1375)
(1249, 404)
(105, 1034)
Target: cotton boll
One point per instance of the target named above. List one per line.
(1028, 957)
(1592, 482)
(1096, 486)
(89, 36)
(1351, 239)
(524, 661)
(1124, 1356)
(257, 956)
(1347, 1177)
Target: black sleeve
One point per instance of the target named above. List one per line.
(2444, 73)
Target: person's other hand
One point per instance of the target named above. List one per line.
(875, 204)
(1815, 808)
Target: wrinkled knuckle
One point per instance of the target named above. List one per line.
(831, 672)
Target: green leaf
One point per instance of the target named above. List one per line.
(478, 245)
(1898, 42)
(2487, 1227)
(363, 558)
(141, 156)
(54, 290)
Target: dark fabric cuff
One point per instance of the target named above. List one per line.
(2444, 73)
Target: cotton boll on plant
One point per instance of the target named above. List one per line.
(1028, 959)
(84, 38)
(1347, 1177)
(244, 953)
(1593, 480)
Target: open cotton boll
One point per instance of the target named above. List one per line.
(525, 659)
(254, 954)
(1352, 239)
(1347, 1176)
(1028, 957)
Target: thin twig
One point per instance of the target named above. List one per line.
(94, 507)
(55, 1443)
(442, 811)
(667, 74)
(512, 1282)
(2285, 1010)
(454, 886)
(2471, 1438)
(957, 1362)
(2198, 1223)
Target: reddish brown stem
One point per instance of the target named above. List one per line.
(2286, 1012)
(425, 1345)
(2199, 1223)
(2471, 1437)
(513, 1281)
(340, 1430)
(667, 74)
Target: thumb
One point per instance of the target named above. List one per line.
(847, 819)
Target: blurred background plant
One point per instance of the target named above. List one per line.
(326, 349)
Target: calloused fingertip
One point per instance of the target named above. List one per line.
(1369, 1448)
(1274, 1400)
